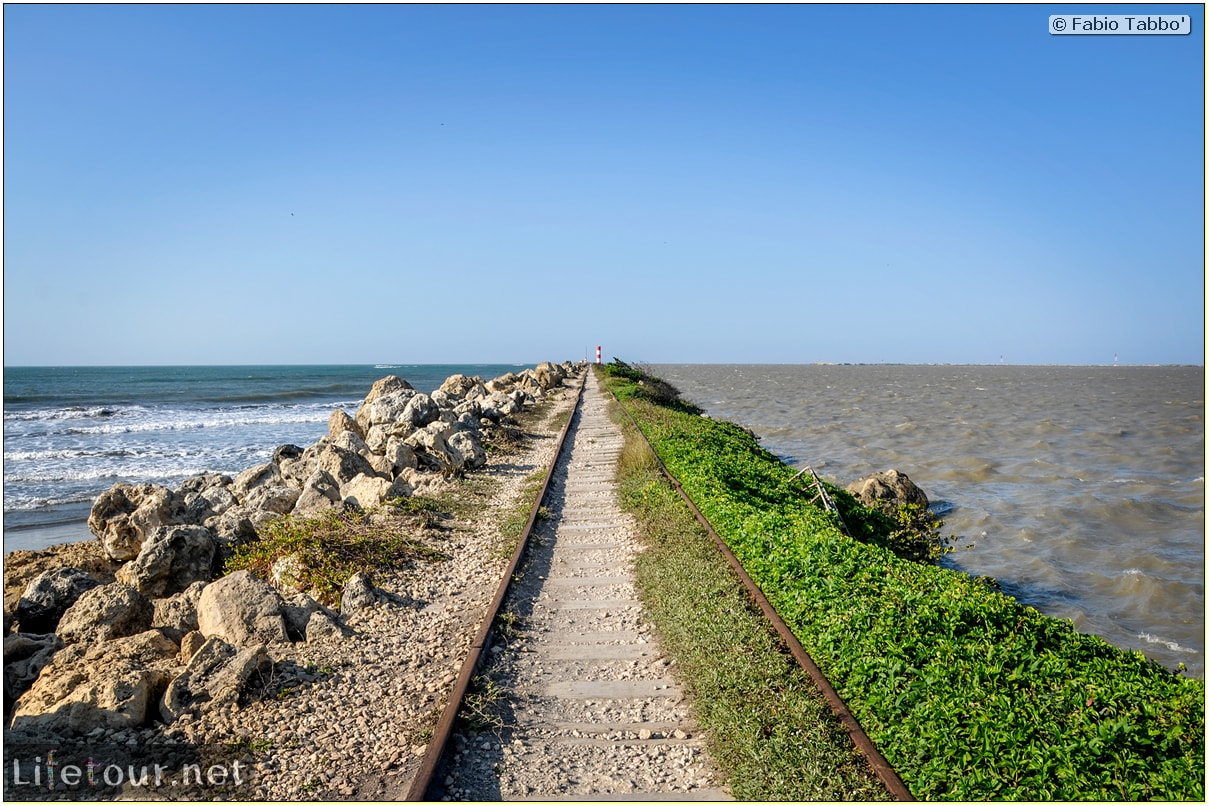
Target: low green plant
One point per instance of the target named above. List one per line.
(770, 731)
(479, 710)
(248, 744)
(325, 550)
(514, 520)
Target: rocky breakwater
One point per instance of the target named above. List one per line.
(149, 633)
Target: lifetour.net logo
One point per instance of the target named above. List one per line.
(37, 773)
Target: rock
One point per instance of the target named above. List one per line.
(359, 593)
(339, 422)
(256, 476)
(498, 405)
(278, 499)
(461, 387)
(381, 434)
(264, 487)
(365, 491)
(126, 514)
(321, 626)
(24, 657)
(110, 685)
(177, 615)
(104, 613)
(215, 676)
(233, 527)
(468, 448)
(386, 408)
(548, 375)
(350, 441)
(889, 486)
(432, 449)
(396, 456)
(503, 383)
(320, 492)
(202, 496)
(298, 611)
(384, 386)
(171, 559)
(471, 407)
(400, 488)
(48, 595)
(419, 411)
(294, 463)
(190, 643)
(342, 464)
(242, 610)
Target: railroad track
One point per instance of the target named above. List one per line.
(572, 698)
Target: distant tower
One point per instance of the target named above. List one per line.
(1114, 359)
(598, 354)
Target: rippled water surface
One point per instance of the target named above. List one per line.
(1081, 489)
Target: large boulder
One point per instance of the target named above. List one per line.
(419, 411)
(469, 449)
(500, 404)
(293, 463)
(48, 595)
(395, 457)
(365, 491)
(462, 387)
(431, 447)
(111, 685)
(386, 407)
(887, 488)
(172, 559)
(341, 421)
(549, 375)
(342, 464)
(320, 492)
(234, 526)
(214, 677)
(24, 657)
(105, 613)
(503, 383)
(177, 615)
(126, 514)
(264, 487)
(242, 610)
(203, 496)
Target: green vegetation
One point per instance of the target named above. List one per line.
(968, 693)
(770, 731)
(327, 549)
(514, 520)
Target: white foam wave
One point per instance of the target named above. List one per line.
(1171, 645)
(69, 413)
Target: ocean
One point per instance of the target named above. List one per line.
(70, 433)
(1080, 489)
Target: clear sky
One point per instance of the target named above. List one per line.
(426, 184)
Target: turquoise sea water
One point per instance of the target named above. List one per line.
(70, 433)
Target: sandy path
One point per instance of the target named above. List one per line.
(582, 700)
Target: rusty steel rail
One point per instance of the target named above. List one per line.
(480, 644)
(881, 767)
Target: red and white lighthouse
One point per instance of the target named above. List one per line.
(598, 354)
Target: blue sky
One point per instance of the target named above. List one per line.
(333, 184)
